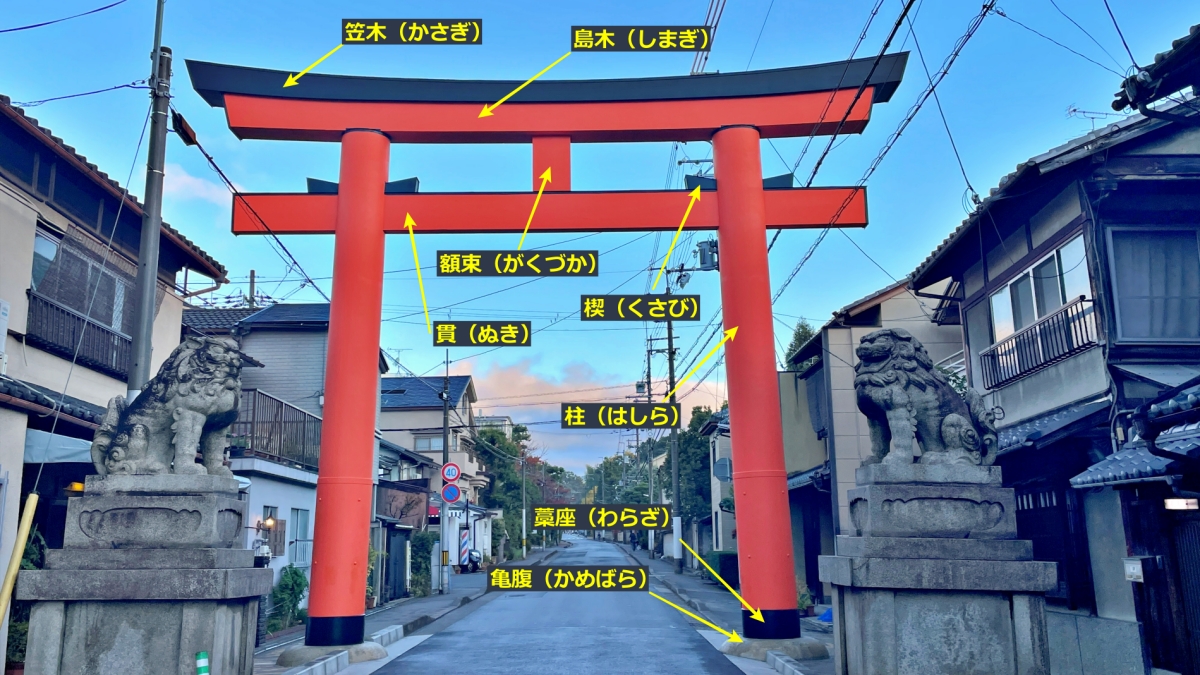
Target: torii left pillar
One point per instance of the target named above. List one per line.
(344, 484)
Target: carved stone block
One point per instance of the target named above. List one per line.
(154, 521)
(970, 474)
(952, 511)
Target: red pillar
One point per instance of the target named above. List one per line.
(756, 433)
(552, 152)
(336, 605)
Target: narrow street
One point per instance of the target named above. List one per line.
(579, 633)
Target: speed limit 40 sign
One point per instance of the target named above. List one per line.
(450, 472)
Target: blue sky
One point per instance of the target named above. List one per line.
(1005, 100)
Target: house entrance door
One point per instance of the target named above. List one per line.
(1186, 536)
(397, 560)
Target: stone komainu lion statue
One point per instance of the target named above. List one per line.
(187, 407)
(903, 395)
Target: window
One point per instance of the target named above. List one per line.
(1052, 282)
(434, 443)
(300, 548)
(66, 272)
(1156, 275)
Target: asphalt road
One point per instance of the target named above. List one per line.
(576, 633)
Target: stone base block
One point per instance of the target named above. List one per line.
(950, 511)
(119, 520)
(878, 474)
(161, 484)
(157, 584)
(897, 632)
(148, 558)
(929, 547)
(800, 648)
(299, 655)
(1025, 576)
(141, 638)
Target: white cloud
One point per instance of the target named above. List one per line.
(179, 184)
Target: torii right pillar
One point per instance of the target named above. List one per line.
(756, 429)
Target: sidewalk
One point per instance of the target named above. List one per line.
(714, 601)
(412, 613)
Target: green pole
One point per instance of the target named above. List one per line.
(201, 663)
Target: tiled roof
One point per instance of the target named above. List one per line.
(1171, 71)
(298, 314)
(718, 421)
(214, 268)
(422, 392)
(1050, 426)
(414, 457)
(1055, 158)
(1185, 400)
(216, 320)
(1132, 463)
(49, 398)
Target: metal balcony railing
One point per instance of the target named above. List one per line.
(1069, 330)
(274, 429)
(59, 330)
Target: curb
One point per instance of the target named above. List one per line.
(325, 665)
(670, 584)
(784, 664)
(340, 660)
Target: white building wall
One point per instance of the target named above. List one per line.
(285, 495)
(12, 454)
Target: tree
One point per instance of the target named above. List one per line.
(802, 334)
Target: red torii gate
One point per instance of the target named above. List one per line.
(365, 115)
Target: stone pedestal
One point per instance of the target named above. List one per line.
(148, 577)
(934, 580)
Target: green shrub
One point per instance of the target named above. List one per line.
(804, 598)
(724, 563)
(285, 599)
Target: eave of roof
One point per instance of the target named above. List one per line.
(213, 80)
(1035, 167)
(206, 264)
(1171, 71)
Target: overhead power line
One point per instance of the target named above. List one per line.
(282, 249)
(972, 27)
(137, 84)
(65, 18)
(1121, 35)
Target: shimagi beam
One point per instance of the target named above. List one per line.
(476, 212)
(779, 103)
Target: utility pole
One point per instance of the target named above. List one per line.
(252, 289)
(147, 275)
(524, 540)
(446, 533)
(650, 442)
(676, 521)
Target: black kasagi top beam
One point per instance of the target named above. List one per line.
(518, 263)
(601, 517)
(641, 38)
(482, 334)
(639, 307)
(412, 31)
(620, 416)
(569, 578)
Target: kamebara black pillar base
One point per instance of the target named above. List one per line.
(327, 631)
(780, 624)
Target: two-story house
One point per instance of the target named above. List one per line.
(1076, 285)
(825, 434)
(276, 442)
(412, 415)
(69, 238)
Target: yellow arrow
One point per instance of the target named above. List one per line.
(695, 195)
(731, 634)
(545, 179)
(408, 223)
(755, 613)
(294, 80)
(487, 109)
(728, 336)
